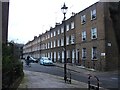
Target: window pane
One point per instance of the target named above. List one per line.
(83, 19)
(84, 53)
(72, 39)
(83, 35)
(62, 30)
(58, 31)
(67, 27)
(94, 53)
(67, 41)
(93, 33)
(72, 25)
(93, 14)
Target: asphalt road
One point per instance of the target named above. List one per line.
(106, 81)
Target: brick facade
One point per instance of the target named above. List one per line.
(90, 40)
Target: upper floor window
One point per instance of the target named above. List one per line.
(51, 44)
(54, 33)
(72, 39)
(62, 29)
(51, 34)
(67, 27)
(93, 14)
(94, 53)
(54, 43)
(62, 42)
(58, 42)
(83, 35)
(43, 38)
(58, 31)
(46, 46)
(48, 36)
(84, 53)
(72, 25)
(67, 40)
(93, 33)
(83, 19)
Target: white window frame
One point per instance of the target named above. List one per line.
(62, 56)
(62, 42)
(62, 30)
(48, 54)
(67, 27)
(51, 55)
(46, 46)
(73, 56)
(51, 44)
(58, 42)
(58, 31)
(48, 36)
(93, 33)
(54, 33)
(84, 35)
(54, 43)
(54, 56)
(72, 25)
(83, 19)
(93, 13)
(84, 53)
(68, 54)
(72, 39)
(94, 53)
(51, 34)
(58, 56)
(67, 40)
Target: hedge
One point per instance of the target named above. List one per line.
(12, 68)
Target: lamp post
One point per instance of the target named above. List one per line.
(64, 10)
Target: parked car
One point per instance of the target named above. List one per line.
(45, 61)
(33, 60)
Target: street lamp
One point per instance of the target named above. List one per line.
(64, 10)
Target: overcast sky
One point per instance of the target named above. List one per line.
(29, 18)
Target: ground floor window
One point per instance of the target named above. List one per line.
(54, 56)
(94, 53)
(84, 53)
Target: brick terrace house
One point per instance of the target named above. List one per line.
(90, 40)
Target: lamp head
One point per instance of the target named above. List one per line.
(64, 9)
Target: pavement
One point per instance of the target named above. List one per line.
(84, 70)
(43, 80)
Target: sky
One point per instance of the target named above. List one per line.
(29, 18)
